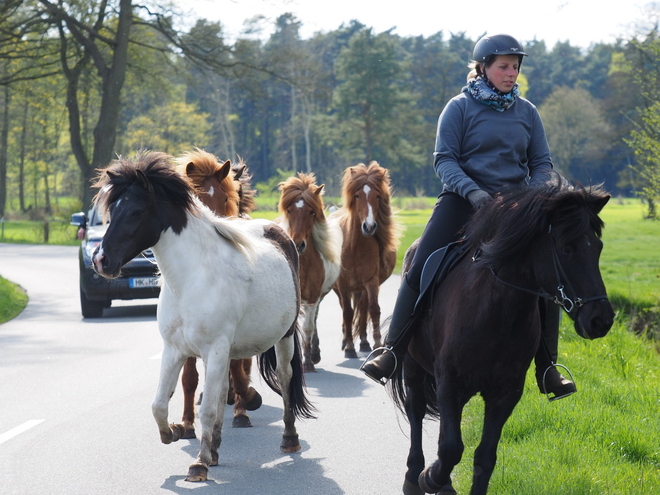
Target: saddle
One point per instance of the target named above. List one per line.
(437, 266)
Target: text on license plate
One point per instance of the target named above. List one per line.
(142, 282)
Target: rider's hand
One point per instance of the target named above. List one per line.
(479, 198)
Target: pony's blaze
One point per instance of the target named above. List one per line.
(369, 224)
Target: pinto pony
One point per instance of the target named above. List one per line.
(478, 330)
(229, 290)
(370, 241)
(319, 248)
(226, 191)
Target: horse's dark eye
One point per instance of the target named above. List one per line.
(357, 196)
(566, 250)
(313, 213)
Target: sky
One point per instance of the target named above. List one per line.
(581, 22)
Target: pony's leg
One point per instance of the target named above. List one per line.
(284, 351)
(216, 386)
(362, 303)
(247, 398)
(415, 406)
(374, 313)
(497, 411)
(310, 310)
(347, 325)
(170, 366)
(189, 382)
(316, 350)
(437, 477)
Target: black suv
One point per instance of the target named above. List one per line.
(138, 278)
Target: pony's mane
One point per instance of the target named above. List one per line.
(504, 229)
(150, 174)
(303, 188)
(206, 165)
(152, 177)
(378, 179)
(246, 193)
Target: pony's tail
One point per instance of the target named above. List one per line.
(398, 391)
(300, 405)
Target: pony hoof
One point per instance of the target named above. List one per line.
(177, 432)
(231, 397)
(241, 421)
(428, 486)
(255, 402)
(316, 357)
(290, 444)
(189, 433)
(308, 367)
(197, 472)
(410, 489)
(350, 354)
(365, 347)
(214, 458)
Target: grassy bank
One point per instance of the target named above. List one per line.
(12, 300)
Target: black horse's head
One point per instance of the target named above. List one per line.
(558, 229)
(142, 197)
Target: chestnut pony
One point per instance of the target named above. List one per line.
(318, 241)
(229, 290)
(370, 240)
(226, 191)
(477, 331)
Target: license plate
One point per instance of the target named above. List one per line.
(142, 282)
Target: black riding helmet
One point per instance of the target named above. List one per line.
(497, 44)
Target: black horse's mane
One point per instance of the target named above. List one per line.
(151, 176)
(505, 229)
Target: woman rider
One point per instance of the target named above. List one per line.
(489, 139)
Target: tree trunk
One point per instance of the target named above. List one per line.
(4, 139)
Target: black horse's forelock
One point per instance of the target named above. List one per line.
(505, 229)
(150, 175)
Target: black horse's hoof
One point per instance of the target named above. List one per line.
(365, 347)
(429, 486)
(410, 489)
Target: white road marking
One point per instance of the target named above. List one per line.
(20, 429)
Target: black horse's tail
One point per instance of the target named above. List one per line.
(399, 391)
(300, 404)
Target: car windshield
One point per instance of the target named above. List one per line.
(95, 218)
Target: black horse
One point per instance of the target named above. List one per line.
(478, 330)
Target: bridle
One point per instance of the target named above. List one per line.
(564, 286)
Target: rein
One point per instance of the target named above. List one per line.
(569, 305)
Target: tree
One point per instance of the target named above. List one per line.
(578, 135)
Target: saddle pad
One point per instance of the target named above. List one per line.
(437, 267)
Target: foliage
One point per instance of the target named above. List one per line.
(13, 300)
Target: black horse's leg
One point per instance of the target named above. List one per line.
(496, 413)
(437, 477)
(415, 406)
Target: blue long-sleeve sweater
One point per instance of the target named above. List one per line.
(478, 147)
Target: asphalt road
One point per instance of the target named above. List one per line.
(75, 405)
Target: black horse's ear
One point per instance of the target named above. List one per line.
(599, 202)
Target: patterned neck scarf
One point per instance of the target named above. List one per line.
(483, 91)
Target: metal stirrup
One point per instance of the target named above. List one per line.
(545, 389)
(382, 381)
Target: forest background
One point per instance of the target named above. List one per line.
(85, 80)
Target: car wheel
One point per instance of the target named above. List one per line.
(90, 309)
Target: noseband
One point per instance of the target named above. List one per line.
(570, 305)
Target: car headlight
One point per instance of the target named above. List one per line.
(90, 246)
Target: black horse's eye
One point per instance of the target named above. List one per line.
(566, 250)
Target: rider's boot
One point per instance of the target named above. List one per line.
(550, 381)
(383, 366)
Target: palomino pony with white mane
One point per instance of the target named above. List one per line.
(226, 191)
(229, 291)
(319, 248)
(371, 237)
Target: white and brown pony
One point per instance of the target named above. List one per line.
(319, 248)
(229, 291)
